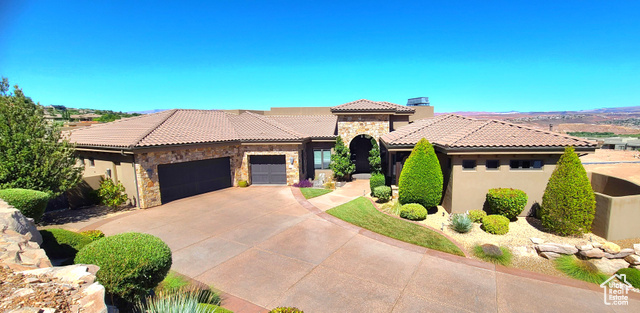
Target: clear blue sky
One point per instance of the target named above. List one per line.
(464, 55)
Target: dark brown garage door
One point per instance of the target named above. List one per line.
(268, 169)
(180, 180)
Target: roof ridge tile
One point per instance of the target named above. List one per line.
(152, 129)
(276, 124)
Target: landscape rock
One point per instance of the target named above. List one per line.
(596, 244)
(557, 248)
(93, 299)
(610, 266)
(524, 251)
(593, 253)
(550, 255)
(633, 259)
(620, 255)
(584, 246)
(636, 248)
(491, 250)
(610, 247)
(536, 240)
(16, 221)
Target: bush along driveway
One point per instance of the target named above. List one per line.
(271, 247)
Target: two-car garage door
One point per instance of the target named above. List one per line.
(180, 180)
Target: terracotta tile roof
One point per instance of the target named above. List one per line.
(254, 127)
(314, 126)
(364, 105)
(190, 126)
(454, 131)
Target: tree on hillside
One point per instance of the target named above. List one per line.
(34, 156)
(421, 177)
(341, 164)
(374, 158)
(568, 203)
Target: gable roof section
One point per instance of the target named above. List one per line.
(190, 126)
(313, 126)
(364, 105)
(458, 132)
(254, 127)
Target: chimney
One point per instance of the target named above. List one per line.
(418, 101)
(550, 127)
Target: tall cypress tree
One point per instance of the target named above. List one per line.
(421, 178)
(341, 164)
(375, 163)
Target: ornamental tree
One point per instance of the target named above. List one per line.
(374, 158)
(569, 203)
(34, 154)
(341, 164)
(421, 177)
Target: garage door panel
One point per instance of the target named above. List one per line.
(180, 180)
(268, 169)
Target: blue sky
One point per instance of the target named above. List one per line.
(464, 55)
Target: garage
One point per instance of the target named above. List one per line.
(181, 180)
(268, 169)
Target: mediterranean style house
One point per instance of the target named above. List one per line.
(179, 153)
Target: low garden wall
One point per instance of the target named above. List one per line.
(617, 207)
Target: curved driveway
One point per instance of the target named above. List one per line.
(261, 245)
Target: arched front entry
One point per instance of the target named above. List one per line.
(360, 147)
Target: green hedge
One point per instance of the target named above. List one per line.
(495, 224)
(569, 203)
(130, 264)
(31, 203)
(477, 215)
(421, 177)
(376, 180)
(62, 243)
(383, 193)
(507, 202)
(413, 211)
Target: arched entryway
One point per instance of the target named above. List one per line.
(360, 147)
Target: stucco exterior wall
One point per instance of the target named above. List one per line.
(617, 207)
(467, 189)
(120, 166)
(352, 125)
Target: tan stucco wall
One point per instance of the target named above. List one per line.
(422, 112)
(617, 207)
(467, 189)
(350, 126)
(121, 167)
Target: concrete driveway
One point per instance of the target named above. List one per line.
(265, 247)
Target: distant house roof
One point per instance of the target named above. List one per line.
(364, 105)
(458, 132)
(176, 127)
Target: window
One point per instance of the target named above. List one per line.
(468, 164)
(321, 159)
(92, 162)
(81, 159)
(526, 164)
(493, 164)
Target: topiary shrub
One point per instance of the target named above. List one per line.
(243, 183)
(461, 223)
(130, 263)
(376, 180)
(507, 202)
(31, 203)
(111, 193)
(495, 224)
(477, 215)
(568, 203)
(413, 211)
(633, 276)
(93, 234)
(62, 243)
(421, 177)
(286, 310)
(383, 193)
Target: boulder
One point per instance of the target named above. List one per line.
(491, 250)
(550, 255)
(16, 221)
(557, 248)
(610, 266)
(584, 246)
(610, 247)
(524, 251)
(536, 240)
(632, 259)
(593, 253)
(636, 248)
(93, 299)
(620, 255)
(596, 244)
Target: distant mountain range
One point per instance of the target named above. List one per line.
(631, 109)
(147, 111)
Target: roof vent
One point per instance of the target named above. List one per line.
(418, 101)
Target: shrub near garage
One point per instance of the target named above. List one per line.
(383, 193)
(413, 211)
(31, 203)
(421, 178)
(111, 193)
(375, 181)
(94, 234)
(507, 202)
(130, 263)
(495, 224)
(477, 215)
(62, 243)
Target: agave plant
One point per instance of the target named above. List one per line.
(177, 301)
(461, 223)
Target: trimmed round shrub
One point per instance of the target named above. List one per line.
(286, 310)
(569, 203)
(62, 243)
(130, 263)
(461, 223)
(507, 202)
(477, 215)
(421, 178)
(31, 203)
(633, 276)
(243, 183)
(375, 181)
(383, 193)
(413, 211)
(495, 224)
(94, 234)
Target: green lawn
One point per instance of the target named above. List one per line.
(314, 192)
(362, 213)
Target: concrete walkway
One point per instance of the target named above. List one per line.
(342, 195)
(267, 247)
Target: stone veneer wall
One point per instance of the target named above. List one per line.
(147, 164)
(350, 126)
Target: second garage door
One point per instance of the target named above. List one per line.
(268, 169)
(180, 180)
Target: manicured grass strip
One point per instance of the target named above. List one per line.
(580, 269)
(504, 259)
(309, 193)
(362, 213)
